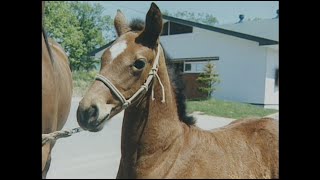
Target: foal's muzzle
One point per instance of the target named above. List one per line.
(93, 118)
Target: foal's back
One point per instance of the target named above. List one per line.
(245, 148)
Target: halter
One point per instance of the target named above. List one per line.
(143, 89)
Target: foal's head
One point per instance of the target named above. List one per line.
(126, 65)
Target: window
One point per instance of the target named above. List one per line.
(194, 67)
(200, 67)
(187, 67)
(165, 29)
(170, 28)
(179, 28)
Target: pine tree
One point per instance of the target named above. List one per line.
(208, 79)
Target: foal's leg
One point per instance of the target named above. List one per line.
(120, 174)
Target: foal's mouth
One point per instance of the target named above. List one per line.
(99, 125)
(114, 111)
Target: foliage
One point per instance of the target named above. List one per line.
(208, 79)
(254, 19)
(78, 27)
(204, 18)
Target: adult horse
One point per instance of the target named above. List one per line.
(56, 93)
(158, 139)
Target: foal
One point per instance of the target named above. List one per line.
(158, 139)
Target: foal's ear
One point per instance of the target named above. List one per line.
(153, 27)
(120, 23)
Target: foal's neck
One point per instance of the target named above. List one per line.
(152, 125)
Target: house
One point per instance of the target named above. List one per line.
(246, 56)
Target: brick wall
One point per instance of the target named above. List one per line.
(191, 86)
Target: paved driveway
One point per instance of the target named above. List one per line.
(97, 155)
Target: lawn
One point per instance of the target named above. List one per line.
(228, 109)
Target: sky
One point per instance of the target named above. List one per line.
(225, 11)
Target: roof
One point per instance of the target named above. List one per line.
(238, 30)
(265, 28)
(260, 40)
(195, 59)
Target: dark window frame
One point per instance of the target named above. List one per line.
(172, 28)
(189, 67)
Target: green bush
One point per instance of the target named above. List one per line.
(208, 80)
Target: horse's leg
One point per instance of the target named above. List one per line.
(46, 159)
(46, 168)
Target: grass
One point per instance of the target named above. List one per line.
(228, 109)
(81, 81)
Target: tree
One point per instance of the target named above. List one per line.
(208, 79)
(78, 27)
(254, 19)
(204, 18)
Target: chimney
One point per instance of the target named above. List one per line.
(241, 17)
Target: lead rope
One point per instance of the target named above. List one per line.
(59, 134)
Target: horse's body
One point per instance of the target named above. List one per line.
(56, 94)
(158, 139)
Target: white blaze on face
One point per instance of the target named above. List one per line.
(117, 49)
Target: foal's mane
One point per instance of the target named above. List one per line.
(175, 77)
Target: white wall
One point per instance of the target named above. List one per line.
(272, 92)
(242, 63)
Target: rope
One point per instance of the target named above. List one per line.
(112, 88)
(154, 71)
(162, 89)
(59, 134)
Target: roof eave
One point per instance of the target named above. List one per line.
(261, 41)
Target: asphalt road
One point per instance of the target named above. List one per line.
(97, 155)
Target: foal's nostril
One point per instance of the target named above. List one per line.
(87, 117)
(92, 114)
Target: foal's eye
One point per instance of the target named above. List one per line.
(139, 64)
